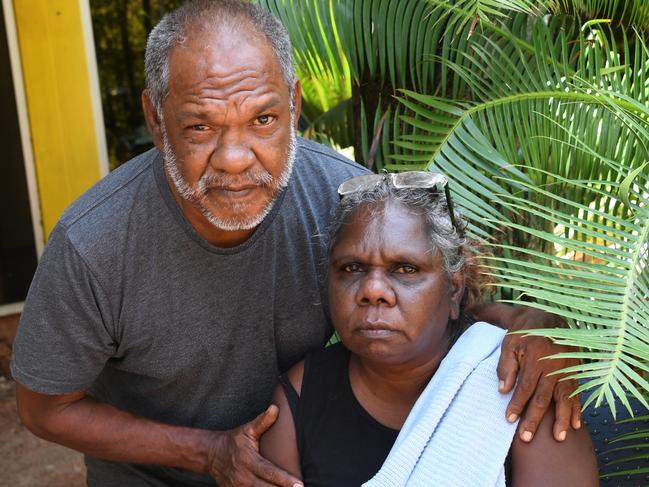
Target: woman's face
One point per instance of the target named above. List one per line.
(389, 296)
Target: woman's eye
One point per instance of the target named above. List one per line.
(405, 269)
(354, 267)
(199, 128)
(264, 120)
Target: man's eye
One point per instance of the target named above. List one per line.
(264, 120)
(405, 269)
(353, 267)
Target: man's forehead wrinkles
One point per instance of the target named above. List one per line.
(224, 88)
(225, 77)
(241, 100)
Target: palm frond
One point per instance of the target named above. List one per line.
(462, 13)
(518, 95)
(533, 156)
(599, 283)
(631, 13)
(541, 124)
(326, 110)
(378, 47)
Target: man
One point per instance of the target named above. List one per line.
(175, 290)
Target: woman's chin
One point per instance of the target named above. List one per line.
(387, 349)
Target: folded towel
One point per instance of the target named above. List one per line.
(456, 434)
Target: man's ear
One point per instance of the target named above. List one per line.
(457, 293)
(153, 122)
(297, 102)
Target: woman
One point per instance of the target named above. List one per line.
(400, 277)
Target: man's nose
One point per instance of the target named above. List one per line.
(375, 289)
(233, 154)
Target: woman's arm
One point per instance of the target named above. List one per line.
(545, 461)
(279, 443)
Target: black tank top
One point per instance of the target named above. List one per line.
(340, 444)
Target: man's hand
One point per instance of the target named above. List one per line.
(235, 460)
(231, 457)
(535, 389)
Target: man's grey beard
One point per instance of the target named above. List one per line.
(260, 178)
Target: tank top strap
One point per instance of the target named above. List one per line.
(291, 394)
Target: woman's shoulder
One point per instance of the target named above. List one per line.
(325, 356)
(317, 365)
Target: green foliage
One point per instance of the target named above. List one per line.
(374, 48)
(120, 30)
(629, 13)
(532, 156)
(629, 448)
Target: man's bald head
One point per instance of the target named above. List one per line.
(200, 16)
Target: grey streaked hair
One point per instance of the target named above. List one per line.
(450, 241)
(457, 250)
(172, 30)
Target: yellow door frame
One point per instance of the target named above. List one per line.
(56, 84)
(61, 87)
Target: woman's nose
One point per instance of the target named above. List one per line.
(375, 289)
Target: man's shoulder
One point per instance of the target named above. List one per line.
(120, 188)
(317, 173)
(101, 222)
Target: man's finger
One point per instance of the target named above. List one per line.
(262, 483)
(507, 366)
(562, 416)
(273, 475)
(523, 391)
(536, 408)
(261, 423)
(576, 413)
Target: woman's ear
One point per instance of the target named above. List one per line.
(457, 293)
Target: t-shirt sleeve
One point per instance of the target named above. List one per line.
(65, 333)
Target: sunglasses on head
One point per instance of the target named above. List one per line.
(431, 181)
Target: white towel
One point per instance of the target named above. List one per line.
(456, 434)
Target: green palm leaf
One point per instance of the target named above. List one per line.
(633, 13)
(377, 47)
(610, 321)
(627, 449)
(518, 95)
(532, 157)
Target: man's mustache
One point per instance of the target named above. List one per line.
(223, 180)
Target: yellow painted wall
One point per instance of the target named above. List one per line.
(59, 104)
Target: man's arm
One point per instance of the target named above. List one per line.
(80, 422)
(521, 356)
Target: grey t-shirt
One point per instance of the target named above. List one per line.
(131, 302)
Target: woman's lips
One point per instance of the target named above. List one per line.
(376, 330)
